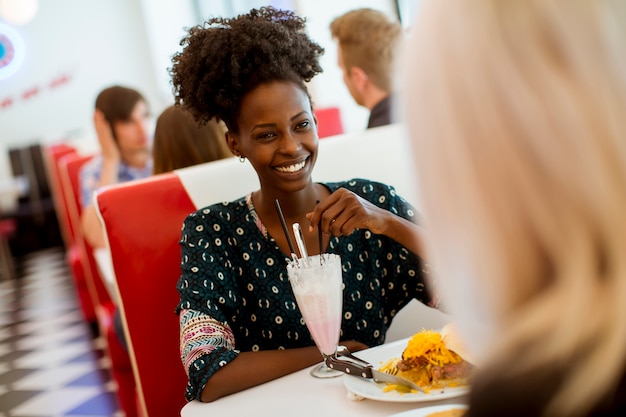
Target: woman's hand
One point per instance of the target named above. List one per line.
(343, 212)
(108, 146)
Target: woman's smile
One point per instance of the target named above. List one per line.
(298, 166)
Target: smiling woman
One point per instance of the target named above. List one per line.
(240, 325)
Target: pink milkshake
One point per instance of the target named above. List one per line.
(318, 291)
(325, 332)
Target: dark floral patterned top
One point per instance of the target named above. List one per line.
(235, 295)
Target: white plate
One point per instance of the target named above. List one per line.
(367, 388)
(424, 412)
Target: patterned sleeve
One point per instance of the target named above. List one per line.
(206, 340)
(205, 346)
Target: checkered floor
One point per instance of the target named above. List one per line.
(50, 365)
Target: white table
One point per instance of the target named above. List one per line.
(301, 395)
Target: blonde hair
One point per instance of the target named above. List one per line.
(516, 111)
(369, 40)
(180, 142)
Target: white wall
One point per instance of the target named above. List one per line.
(97, 43)
(166, 22)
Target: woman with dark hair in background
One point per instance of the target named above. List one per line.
(179, 141)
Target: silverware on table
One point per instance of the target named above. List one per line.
(343, 360)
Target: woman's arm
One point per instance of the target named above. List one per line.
(90, 224)
(249, 369)
(403, 231)
(253, 368)
(215, 368)
(93, 229)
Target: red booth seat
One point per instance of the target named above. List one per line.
(143, 221)
(56, 158)
(83, 262)
(328, 121)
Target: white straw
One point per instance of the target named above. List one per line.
(297, 231)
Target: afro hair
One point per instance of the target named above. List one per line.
(225, 58)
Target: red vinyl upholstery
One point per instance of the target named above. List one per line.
(328, 121)
(104, 307)
(143, 221)
(53, 155)
(72, 177)
(62, 192)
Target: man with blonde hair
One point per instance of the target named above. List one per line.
(366, 48)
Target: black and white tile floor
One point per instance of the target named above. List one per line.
(50, 365)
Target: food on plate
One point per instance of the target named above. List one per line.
(453, 412)
(429, 362)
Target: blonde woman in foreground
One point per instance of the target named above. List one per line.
(517, 114)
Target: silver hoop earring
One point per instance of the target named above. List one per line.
(242, 159)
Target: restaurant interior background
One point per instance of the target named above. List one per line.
(55, 57)
(54, 62)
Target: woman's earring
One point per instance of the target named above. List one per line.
(242, 159)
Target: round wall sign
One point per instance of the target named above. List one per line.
(11, 51)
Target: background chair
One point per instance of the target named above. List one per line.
(143, 221)
(52, 156)
(104, 307)
(328, 121)
(56, 157)
(37, 226)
